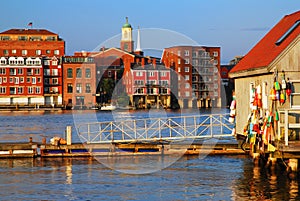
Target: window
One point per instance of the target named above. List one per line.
(24, 52)
(5, 52)
(70, 73)
(37, 71)
(2, 71)
(30, 90)
(38, 52)
(178, 52)
(163, 82)
(21, 79)
(16, 80)
(187, 77)
(28, 80)
(187, 61)
(215, 62)
(48, 51)
(178, 60)
(187, 85)
(139, 73)
(109, 73)
(20, 71)
(11, 80)
(38, 90)
(12, 90)
(39, 80)
(87, 88)
(22, 38)
(215, 54)
(34, 80)
(29, 71)
(78, 88)
(78, 73)
(295, 95)
(0, 80)
(151, 73)
(46, 62)
(2, 90)
(4, 79)
(20, 90)
(56, 52)
(12, 71)
(13, 51)
(179, 69)
(47, 72)
(70, 88)
(139, 82)
(187, 93)
(187, 69)
(88, 73)
(54, 63)
(286, 34)
(163, 73)
(186, 53)
(55, 72)
(55, 81)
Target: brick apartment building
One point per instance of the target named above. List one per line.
(32, 55)
(196, 74)
(79, 82)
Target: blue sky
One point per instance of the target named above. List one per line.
(234, 25)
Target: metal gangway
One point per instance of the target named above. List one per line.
(157, 129)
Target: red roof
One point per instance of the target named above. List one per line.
(28, 31)
(266, 50)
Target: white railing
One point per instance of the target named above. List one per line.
(154, 129)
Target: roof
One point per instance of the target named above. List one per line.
(28, 31)
(271, 45)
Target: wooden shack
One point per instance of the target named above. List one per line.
(267, 89)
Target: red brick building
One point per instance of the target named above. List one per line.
(31, 43)
(198, 74)
(79, 83)
(21, 81)
(38, 52)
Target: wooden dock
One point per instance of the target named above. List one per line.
(25, 150)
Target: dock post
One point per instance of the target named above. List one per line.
(69, 135)
(293, 164)
(256, 157)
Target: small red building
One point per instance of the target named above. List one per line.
(79, 82)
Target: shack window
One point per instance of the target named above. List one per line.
(295, 95)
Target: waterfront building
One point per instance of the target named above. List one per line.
(267, 81)
(79, 83)
(31, 43)
(44, 50)
(197, 79)
(21, 81)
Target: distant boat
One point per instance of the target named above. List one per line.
(108, 107)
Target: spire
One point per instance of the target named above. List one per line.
(138, 43)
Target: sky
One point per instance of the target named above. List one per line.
(85, 25)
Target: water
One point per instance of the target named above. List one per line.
(189, 178)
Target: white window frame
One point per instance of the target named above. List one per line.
(293, 94)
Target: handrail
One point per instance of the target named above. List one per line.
(153, 129)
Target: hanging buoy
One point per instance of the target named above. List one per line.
(277, 95)
(276, 116)
(282, 97)
(277, 86)
(288, 88)
(283, 84)
(273, 94)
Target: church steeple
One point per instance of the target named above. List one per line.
(138, 49)
(126, 41)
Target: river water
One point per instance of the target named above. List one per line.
(188, 178)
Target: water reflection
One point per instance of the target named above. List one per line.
(190, 178)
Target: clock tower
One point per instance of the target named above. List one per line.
(126, 40)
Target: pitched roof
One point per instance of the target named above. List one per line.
(271, 45)
(28, 31)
